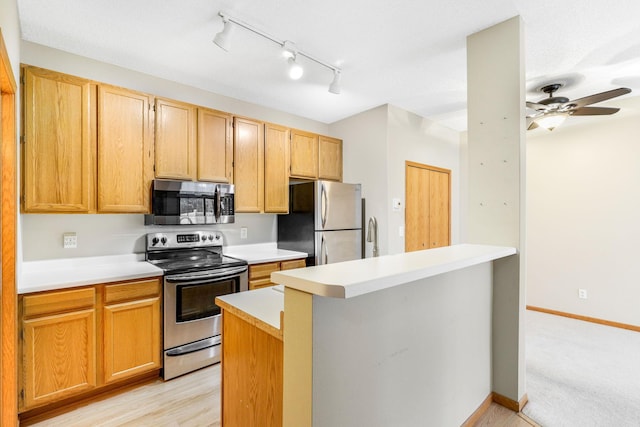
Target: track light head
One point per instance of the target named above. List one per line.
(334, 87)
(222, 38)
(295, 70)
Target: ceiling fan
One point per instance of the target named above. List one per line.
(552, 111)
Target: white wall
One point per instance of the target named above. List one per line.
(10, 27)
(413, 355)
(583, 200)
(41, 235)
(377, 144)
(364, 161)
(414, 138)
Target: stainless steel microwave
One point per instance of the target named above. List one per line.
(190, 202)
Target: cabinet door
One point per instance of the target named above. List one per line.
(329, 158)
(248, 165)
(304, 155)
(131, 338)
(175, 140)
(276, 169)
(59, 142)
(58, 356)
(260, 274)
(215, 146)
(125, 162)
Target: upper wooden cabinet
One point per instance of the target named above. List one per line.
(175, 140)
(59, 142)
(215, 146)
(248, 165)
(304, 155)
(276, 169)
(315, 156)
(125, 150)
(329, 158)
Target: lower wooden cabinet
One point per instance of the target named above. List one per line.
(131, 329)
(260, 274)
(59, 346)
(76, 341)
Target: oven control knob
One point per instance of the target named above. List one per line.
(164, 240)
(204, 238)
(211, 237)
(217, 237)
(155, 241)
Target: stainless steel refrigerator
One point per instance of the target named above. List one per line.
(324, 220)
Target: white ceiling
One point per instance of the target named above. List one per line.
(407, 53)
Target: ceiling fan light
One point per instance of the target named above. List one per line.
(295, 70)
(552, 121)
(222, 38)
(334, 87)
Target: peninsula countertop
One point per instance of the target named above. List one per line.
(37, 276)
(352, 278)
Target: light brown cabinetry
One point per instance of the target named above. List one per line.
(315, 156)
(427, 214)
(248, 165)
(125, 150)
(59, 142)
(215, 146)
(304, 155)
(58, 345)
(260, 274)
(276, 169)
(252, 374)
(175, 139)
(87, 147)
(131, 329)
(75, 342)
(329, 158)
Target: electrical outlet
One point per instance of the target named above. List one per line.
(582, 293)
(70, 240)
(243, 232)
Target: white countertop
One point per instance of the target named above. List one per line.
(69, 272)
(263, 304)
(352, 278)
(261, 252)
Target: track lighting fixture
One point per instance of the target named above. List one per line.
(222, 38)
(289, 50)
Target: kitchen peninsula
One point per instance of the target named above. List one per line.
(396, 340)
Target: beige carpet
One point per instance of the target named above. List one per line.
(581, 374)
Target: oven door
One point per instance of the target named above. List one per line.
(190, 312)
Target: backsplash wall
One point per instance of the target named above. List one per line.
(117, 234)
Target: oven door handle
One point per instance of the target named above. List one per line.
(196, 279)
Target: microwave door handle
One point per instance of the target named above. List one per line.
(323, 193)
(218, 203)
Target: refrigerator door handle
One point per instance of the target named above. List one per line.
(323, 193)
(323, 248)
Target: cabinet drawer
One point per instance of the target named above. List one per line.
(131, 290)
(57, 302)
(260, 283)
(259, 271)
(294, 263)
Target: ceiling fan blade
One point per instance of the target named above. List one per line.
(531, 123)
(599, 97)
(594, 111)
(536, 106)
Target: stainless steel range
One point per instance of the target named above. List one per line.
(195, 273)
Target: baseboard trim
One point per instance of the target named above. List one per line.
(478, 413)
(585, 318)
(500, 400)
(514, 405)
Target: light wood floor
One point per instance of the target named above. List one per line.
(193, 400)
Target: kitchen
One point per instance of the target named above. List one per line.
(121, 233)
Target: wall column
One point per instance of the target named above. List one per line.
(496, 141)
